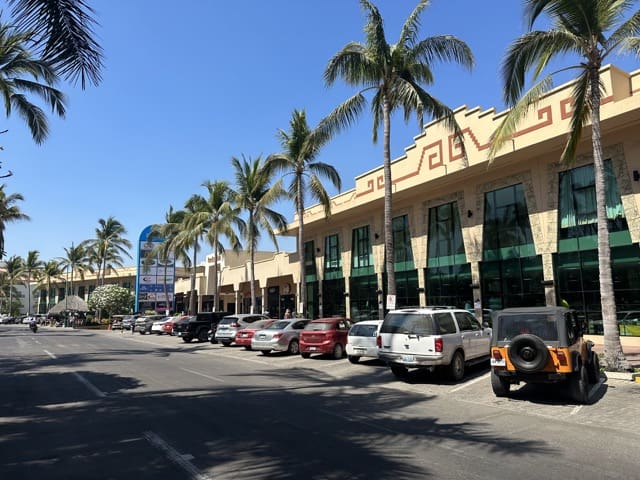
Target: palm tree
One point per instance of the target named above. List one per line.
(255, 194)
(16, 62)
(76, 260)
(168, 249)
(216, 217)
(394, 74)
(109, 246)
(188, 237)
(64, 34)
(50, 273)
(301, 147)
(32, 267)
(14, 267)
(9, 212)
(579, 28)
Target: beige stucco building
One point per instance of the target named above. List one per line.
(518, 232)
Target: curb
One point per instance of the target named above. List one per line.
(629, 376)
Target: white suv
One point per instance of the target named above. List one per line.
(432, 337)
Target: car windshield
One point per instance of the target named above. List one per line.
(363, 330)
(541, 325)
(279, 325)
(318, 326)
(409, 323)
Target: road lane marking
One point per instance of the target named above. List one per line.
(172, 454)
(203, 375)
(89, 385)
(50, 354)
(470, 382)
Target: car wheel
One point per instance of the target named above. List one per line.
(213, 340)
(456, 367)
(187, 339)
(353, 358)
(338, 351)
(594, 369)
(579, 385)
(500, 385)
(141, 332)
(247, 347)
(226, 344)
(399, 371)
(528, 353)
(265, 352)
(294, 347)
(202, 336)
(305, 355)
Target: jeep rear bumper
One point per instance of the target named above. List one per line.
(537, 377)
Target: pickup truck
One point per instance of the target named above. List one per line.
(198, 327)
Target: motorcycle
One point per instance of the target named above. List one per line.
(33, 327)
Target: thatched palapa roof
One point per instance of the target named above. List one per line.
(72, 303)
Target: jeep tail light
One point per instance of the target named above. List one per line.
(496, 354)
(562, 358)
(439, 345)
(379, 341)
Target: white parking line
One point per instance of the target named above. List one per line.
(50, 354)
(173, 455)
(89, 385)
(471, 382)
(203, 375)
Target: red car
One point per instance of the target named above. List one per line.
(167, 326)
(325, 335)
(244, 336)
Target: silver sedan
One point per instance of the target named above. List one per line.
(280, 336)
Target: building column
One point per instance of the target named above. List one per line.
(237, 300)
(548, 282)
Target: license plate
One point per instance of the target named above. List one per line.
(407, 358)
(313, 349)
(359, 350)
(244, 335)
(498, 363)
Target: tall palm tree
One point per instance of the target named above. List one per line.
(108, 246)
(216, 218)
(393, 73)
(591, 30)
(168, 248)
(9, 212)
(50, 273)
(76, 260)
(255, 194)
(300, 149)
(16, 63)
(32, 267)
(64, 33)
(189, 237)
(14, 267)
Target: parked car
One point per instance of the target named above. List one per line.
(229, 326)
(362, 340)
(326, 336)
(180, 324)
(7, 320)
(430, 338)
(197, 327)
(167, 325)
(116, 322)
(244, 335)
(280, 336)
(143, 324)
(542, 345)
(158, 326)
(128, 322)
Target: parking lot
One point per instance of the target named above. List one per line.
(613, 401)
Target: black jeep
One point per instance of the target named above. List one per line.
(198, 327)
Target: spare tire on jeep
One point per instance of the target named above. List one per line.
(528, 353)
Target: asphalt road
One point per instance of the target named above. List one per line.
(101, 405)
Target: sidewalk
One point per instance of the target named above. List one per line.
(630, 347)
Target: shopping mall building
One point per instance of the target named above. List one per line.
(518, 232)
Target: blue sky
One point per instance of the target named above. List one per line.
(188, 85)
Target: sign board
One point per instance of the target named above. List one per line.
(391, 302)
(155, 277)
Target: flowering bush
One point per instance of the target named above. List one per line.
(111, 300)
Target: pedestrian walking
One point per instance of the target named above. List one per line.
(287, 313)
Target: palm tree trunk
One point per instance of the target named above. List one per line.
(192, 297)
(252, 283)
(303, 281)
(388, 212)
(614, 358)
(28, 292)
(215, 276)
